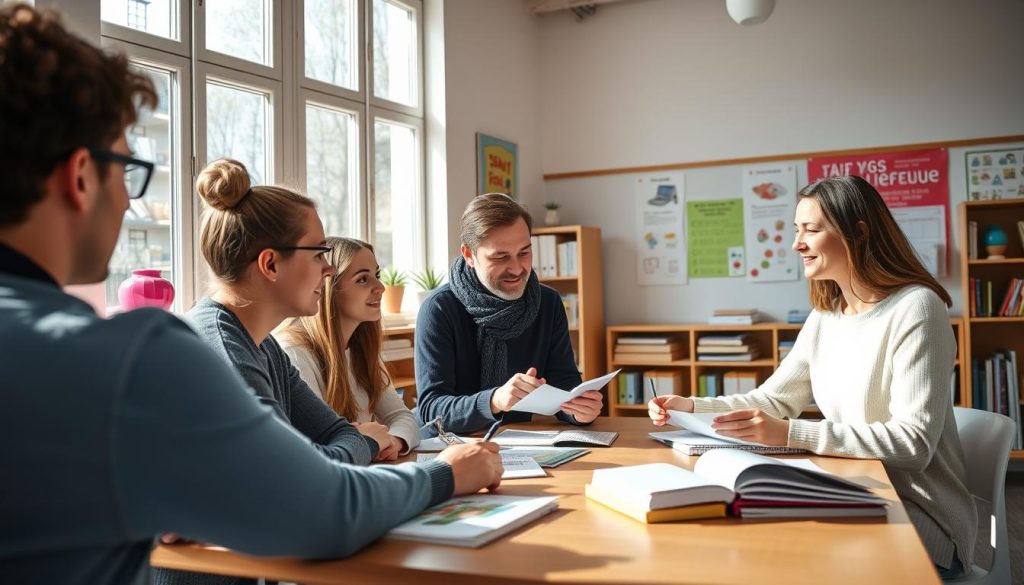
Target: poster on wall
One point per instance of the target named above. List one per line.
(715, 242)
(660, 240)
(769, 196)
(496, 166)
(995, 174)
(915, 187)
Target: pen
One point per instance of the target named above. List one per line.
(490, 432)
(653, 389)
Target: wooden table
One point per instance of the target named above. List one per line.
(583, 542)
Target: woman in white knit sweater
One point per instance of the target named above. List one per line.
(337, 351)
(876, 356)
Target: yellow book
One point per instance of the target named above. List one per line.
(694, 512)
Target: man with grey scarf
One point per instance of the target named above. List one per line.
(494, 333)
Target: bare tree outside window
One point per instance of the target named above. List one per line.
(331, 145)
(236, 127)
(330, 42)
(238, 28)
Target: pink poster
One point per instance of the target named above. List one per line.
(915, 187)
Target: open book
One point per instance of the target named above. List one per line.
(473, 520)
(548, 400)
(755, 485)
(517, 465)
(515, 438)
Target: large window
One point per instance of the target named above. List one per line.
(325, 95)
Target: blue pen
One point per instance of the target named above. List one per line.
(490, 432)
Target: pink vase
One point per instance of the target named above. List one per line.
(145, 288)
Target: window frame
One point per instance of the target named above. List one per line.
(180, 47)
(373, 101)
(419, 200)
(274, 46)
(182, 209)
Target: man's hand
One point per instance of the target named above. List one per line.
(754, 426)
(377, 432)
(474, 466)
(585, 407)
(659, 406)
(517, 387)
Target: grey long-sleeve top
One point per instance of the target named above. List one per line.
(267, 369)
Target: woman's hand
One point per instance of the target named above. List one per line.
(659, 406)
(391, 449)
(754, 426)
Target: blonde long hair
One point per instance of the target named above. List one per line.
(881, 258)
(321, 335)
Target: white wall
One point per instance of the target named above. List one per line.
(662, 81)
(492, 70)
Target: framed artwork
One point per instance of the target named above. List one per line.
(496, 166)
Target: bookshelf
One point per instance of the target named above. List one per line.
(983, 335)
(766, 335)
(402, 372)
(588, 284)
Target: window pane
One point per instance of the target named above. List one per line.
(396, 178)
(237, 122)
(331, 42)
(156, 17)
(238, 28)
(145, 240)
(394, 52)
(331, 158)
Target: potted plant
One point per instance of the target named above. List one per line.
(394, 281)
(551, 215)
(427, 280)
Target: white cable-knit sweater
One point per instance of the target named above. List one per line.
(881, 379)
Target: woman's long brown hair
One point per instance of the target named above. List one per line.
(321, 335)
(881, 258)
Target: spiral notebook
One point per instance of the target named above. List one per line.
(691, 443)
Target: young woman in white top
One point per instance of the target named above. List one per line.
(337, 351)
(876, 356)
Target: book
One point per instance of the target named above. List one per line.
(691, 443)
(717, 340)
(397, 343)
(647, 358)
(738, 382)
(548, 456)
(972, 240)
(473, 520)
(695, 512)
(649, 348)
(647, 340)
(734, 317)
(666, 381)
(402, 353)
(517, 438)
(730, 357)
(717, 349)
(754, 485)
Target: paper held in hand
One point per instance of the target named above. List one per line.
(701, 423)
(548, 400)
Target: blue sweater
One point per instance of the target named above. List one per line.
(117, 430)
(448, 360)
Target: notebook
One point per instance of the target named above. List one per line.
(612, 500)
(516, 438)
(691, 443)
(516, 465)
(473, 520)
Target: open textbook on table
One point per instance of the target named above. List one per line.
(548, 400)
(756, 486)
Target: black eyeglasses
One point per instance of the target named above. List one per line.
(323, 250)
(137, 172)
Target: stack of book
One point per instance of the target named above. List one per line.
(797, 316)
(785, 347)
(646, 349)
(657, 492)
(389, 320)
(739, 382)
(734, 317)
(726, 348)
(996, 385)
(396, 349)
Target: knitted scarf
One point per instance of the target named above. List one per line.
(497, 320)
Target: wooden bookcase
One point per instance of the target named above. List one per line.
(985, 335)
(402, 372)
(588, 337)
(766, 335)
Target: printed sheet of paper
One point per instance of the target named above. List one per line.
(548, 400)
(660, 240)
(715, 236)
(769, 195)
